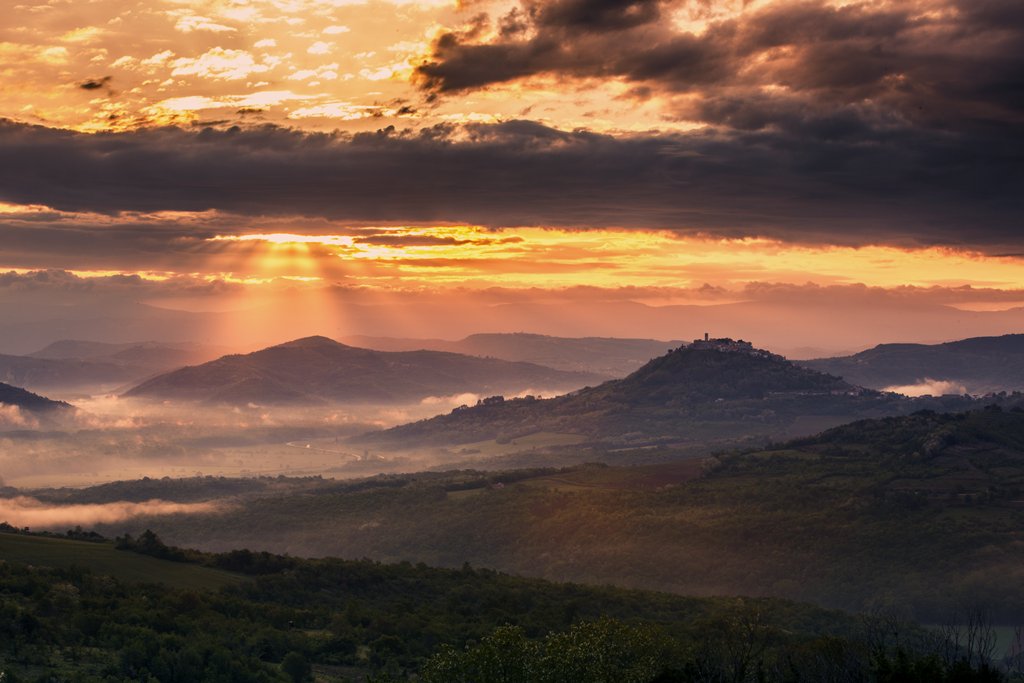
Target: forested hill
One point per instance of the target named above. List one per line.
(925, 511)
(26, 400)
(320, 370)
(688, 393)
(689, 375)
(926, 434)
(95, 367)
(979, 365)
(280, 619)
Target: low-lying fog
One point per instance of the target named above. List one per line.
(932, 387)
(25, 511)
(110, 439)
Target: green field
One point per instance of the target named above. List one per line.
(103, 558)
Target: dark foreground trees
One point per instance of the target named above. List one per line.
(294, 620)
(609, 651)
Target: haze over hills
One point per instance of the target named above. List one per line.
(977, 365)
(165, 353)
(319, 370)
(725, 390)
(46, 374)
(920, 511)
(803, 326)
(31, 322)
(809, 328)
(610, 356)
(92, 367)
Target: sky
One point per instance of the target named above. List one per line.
(281, 156)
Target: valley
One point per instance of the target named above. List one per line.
(709, 471)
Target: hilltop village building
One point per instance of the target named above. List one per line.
(728, 345)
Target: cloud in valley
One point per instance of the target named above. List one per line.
(13, 417)
(24, 511)
(929, 387)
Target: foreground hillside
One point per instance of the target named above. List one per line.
(81, 551)
(689, 395)
(283, 619)
(978, 365)
(320, 370)
(925, 511)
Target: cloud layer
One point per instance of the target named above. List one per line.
(945, 64)
(856, 185)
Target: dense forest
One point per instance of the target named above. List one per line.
(896, 520)
(287, 619)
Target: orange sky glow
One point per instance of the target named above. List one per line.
(689, 152)
(320, 64)
(532, 257)
(439, 257)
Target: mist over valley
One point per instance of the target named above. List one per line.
(512, 341)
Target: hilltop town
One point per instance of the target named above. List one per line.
(729, 345)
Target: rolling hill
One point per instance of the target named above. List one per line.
(70, 374)
(158, 354)
(130, 616)
(923, 511)
(977, 365)
(103, 558)
(318, 370)
(608, 356)
(89, 367)
(694, 395)
(26, 400)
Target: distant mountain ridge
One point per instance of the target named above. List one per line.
(52, 374)
(150, 351)
(690, 394)
(609, 356)
(978, 364)
(74, 365)
(319, 370)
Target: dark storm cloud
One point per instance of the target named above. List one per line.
(944, 64)
(56, 285)
(828, 179)
(50, 240)
(596, 15)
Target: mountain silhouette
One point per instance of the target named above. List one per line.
(688, 394)
(316, 370)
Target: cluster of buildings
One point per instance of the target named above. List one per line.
(725, 344)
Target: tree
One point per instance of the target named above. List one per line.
(602, 651)
(297, 667)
